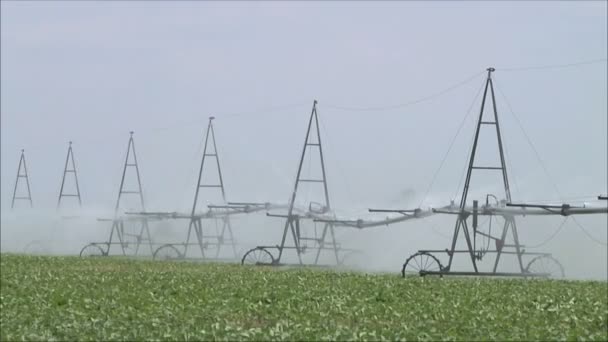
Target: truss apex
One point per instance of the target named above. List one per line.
(491, 69)
(131, 132)
(211, 118)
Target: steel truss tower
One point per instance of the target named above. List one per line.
(69, 158)
(125, 237)
(261, 254)
(196, 219)
(425, 263)
(27, 182)
(461, 221)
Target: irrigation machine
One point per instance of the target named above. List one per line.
(312, 239)
(488, 240)
(20, 175)
(69, 159)
(126, 232)
(212, 227)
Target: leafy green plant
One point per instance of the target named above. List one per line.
(70, 298)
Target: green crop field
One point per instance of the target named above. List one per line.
(68, 298)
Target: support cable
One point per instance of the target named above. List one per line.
(427, 98)
(259, 112)
(262, 111)
(193, 169)
(409, 103)
(489, 233)
(329, 144)
(529, 140)
(587, 233)
(445, 156)
(436, 230)
(481, 224)
(464, 167)
(265, 111)
(348, 188)
(509, 166)
(308, 174)
(554, 66)
(119, 170)
(559, 228)
(537, 155)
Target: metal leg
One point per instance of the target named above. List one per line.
(149, 237)
(296, 239)
(502, 243)
(111, 236)
(333, 237)
(321, 243)
(220, 238)
(139, 237)
(188, 237)
(287, 224)
(229, 227)
(454, 239)
(145, 231)
(120, 231)
(198, 228)
(465, 230)
(517, 246)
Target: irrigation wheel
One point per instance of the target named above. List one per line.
(546, 264)
(92, 250)
(421, 261)
(258, 256)
(167, 252)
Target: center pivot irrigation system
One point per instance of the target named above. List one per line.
(314, 212)
(425, 262)
(129, 230)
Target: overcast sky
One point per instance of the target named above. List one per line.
(92, 71)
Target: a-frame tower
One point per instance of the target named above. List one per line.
(197, 217)
(69, 159)
(509, 221)
(292, 220)
(142, 232)
(22, 174)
